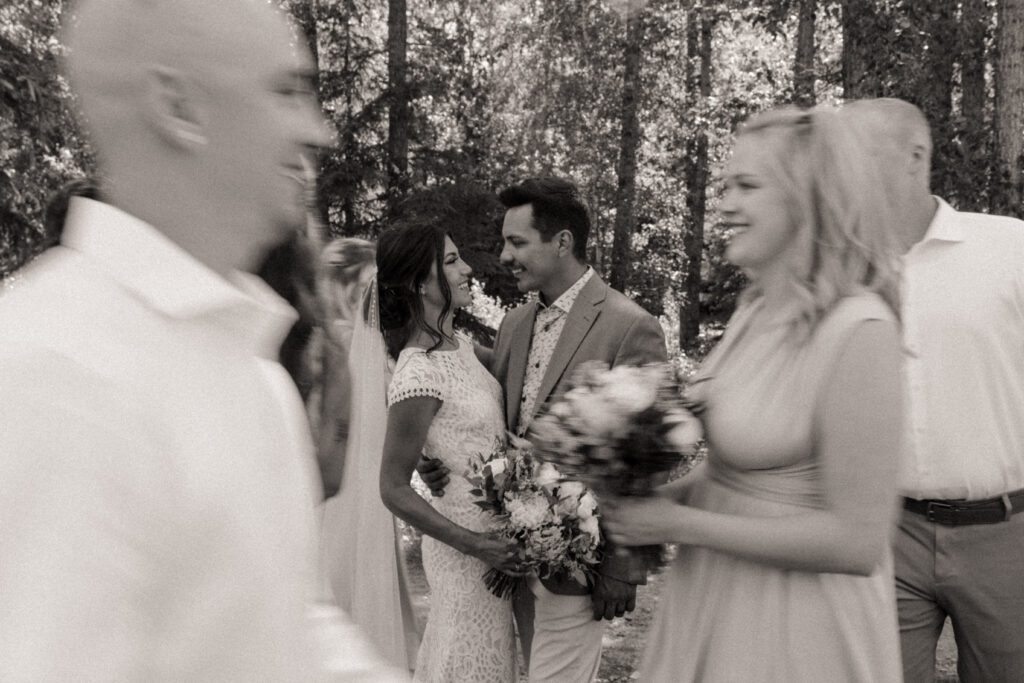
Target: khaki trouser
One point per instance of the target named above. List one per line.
(565, 646)
(973, 574)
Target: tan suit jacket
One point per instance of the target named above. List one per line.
(602, 325)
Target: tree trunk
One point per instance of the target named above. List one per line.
(973, 23)
(699, 30)
(625, 196)
(935, 89)
(861, 74)
(398, 111)
(804, 71)
(1009, 119)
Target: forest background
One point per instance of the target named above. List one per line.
(437, 104)
(440, 103)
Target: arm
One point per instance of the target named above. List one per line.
(335, 404)
(679, 490)
(408, 423)
(858, 431)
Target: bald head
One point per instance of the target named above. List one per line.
(115, 46)
(889, 122)
(898, 137)
(202, 113)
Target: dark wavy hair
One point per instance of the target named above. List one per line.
(405, 255)
(557, 205)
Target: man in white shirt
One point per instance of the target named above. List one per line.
(157, 484)
(960, 547)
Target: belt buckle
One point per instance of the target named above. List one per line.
(940, 506)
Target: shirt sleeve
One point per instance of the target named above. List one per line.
(418, 375)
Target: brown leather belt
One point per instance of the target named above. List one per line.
(966, 512)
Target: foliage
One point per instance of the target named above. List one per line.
(40, 146)
(505, 89)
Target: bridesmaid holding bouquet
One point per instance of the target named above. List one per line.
(784, 570)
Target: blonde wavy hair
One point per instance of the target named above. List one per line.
(343, 261)
(844, 222)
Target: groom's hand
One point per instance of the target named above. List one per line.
(434, 474)
(612, 598)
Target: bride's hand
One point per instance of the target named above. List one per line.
(641, 521)
(500, 553)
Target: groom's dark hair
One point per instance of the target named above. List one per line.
(557, 206)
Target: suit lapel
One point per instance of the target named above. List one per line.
(579, 321)
(518, 354)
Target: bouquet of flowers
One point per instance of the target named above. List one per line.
(554, 521)
(616, 429)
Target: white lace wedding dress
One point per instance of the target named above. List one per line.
(469, 634)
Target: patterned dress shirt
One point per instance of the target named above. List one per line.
(547, 328)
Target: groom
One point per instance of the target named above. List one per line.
(575, 317)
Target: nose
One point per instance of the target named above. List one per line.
(505, 257)
(316, 131)
(467, 269)
(727, 206)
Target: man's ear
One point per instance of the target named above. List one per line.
(173, 108)
(565, 243)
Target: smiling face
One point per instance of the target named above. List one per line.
(534, 262)
(263, 121)
(456, 273)
(755, 206)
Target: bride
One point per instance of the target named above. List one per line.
(445, 404)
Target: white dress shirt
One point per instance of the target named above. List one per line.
(963, 327)
(157, 483)
(547, 328)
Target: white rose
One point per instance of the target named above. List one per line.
(498, 465)
(561, 409)
(631, 396)
(568, 499)
(685, 435)
(547, 475)
(600, 418)
(590, 526)
(571, 489)
(588, 505)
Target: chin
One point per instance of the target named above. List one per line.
(526, 285)
(734, 256)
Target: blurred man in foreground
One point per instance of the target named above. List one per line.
(157, 484)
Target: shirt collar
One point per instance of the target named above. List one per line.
(565, 302)
(170, 280)
(944, 225)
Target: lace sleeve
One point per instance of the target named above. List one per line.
(417, 375)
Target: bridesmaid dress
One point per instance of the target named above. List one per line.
(728, 619)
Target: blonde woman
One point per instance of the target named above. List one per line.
(784, 570)
(348, 268)
(360, 544)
